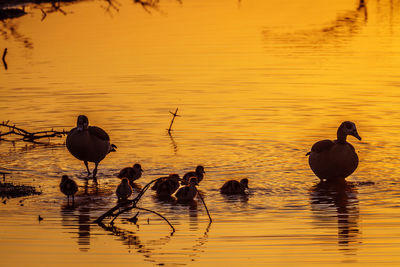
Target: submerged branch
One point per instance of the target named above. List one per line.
(204, 203)
(4, 58)
(133, 202)
(28, 136)
(112, 212)
(174, 114)
(155, 212)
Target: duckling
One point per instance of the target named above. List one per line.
(233, 187)
(68, 187)
(199, 174)
(166, 186)
(188, 192)
(174, 177)
(124, 190)
(88, 143)
(132, 173)
(335, 160)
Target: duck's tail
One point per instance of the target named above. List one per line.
(112, 148)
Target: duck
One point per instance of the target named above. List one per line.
(335, 160)
(68, 187)
(233, 187)
(124, 190)
(166, 186)
(198, 173)
(88, 143)
(132, 173)
(188, 192)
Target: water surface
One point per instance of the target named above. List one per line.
(256, 83)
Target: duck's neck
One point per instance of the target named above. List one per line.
(341, 136)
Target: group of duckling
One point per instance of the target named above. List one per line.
(331, 161)
(185, 189)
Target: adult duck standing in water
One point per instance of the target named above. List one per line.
(334, 160)
(88, 143)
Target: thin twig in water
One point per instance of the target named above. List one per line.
(44, 14)
(110, 212)
(173, 229)
(4, 58)
(204, 203)
(175, 114)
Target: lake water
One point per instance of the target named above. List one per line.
(256, 84)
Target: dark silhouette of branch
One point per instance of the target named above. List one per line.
(173, 229)
(204, 203)
(28, 136)
(131, 205)
(4, 58)
(132, 202)
(146, 4)
(175, 114)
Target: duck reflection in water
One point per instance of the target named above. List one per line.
(337, 200)
(77, 219)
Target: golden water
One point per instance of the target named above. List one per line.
(256, 83)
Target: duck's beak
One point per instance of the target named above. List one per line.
(355, 134)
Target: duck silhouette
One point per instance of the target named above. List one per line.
(334, 160)
(233, 187)
(88, 143)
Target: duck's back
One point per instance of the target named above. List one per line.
(232, 187)
(186, 193)
(68, 187)
(124, 191)
(332, 160)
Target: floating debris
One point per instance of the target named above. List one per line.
(9, 190)
(10, 13)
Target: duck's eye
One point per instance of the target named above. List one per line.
(349, 125)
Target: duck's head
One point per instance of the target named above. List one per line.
(138, 167)
(124, 181)
(245, 182)
(64, 178)
(82, 123)
(193, 181)
(200, 169)
(348, 128)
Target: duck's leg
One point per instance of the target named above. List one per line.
(87, 167)
(95, 170)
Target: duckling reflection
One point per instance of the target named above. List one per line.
(77, 219)
(70, 219)
(193, 217)
(340, 201)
